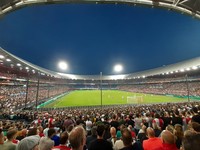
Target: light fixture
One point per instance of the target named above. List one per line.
(62, 65)
(194, 67)
(2, 57)
(118, 68)
(8, 60)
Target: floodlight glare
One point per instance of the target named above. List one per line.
(2, 57)
(62, 65)
(188, 69)
(8, 60)
(194, 67)
(118, 68)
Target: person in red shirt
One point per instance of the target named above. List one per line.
(153, 143)
(169, 141)
(63, 142)
(51, 122)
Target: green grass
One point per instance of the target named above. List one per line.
(109, 97)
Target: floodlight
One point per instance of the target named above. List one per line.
(118, 68)
(8, 60)
(2, 57)
(62, 65)
(194, 67)
(18, 64)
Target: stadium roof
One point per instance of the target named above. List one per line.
(11, 60)
(190, 7)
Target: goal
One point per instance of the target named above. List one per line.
(134, 99)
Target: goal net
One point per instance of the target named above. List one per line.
(134, 99)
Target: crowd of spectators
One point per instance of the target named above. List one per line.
(169, 126)
(169, 88)
(149, 127)
(13, 97)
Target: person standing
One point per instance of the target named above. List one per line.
(100, 143)
(77, 138)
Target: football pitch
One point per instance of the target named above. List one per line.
(109, 97)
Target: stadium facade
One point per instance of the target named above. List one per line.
(10, 60)
(25, 85)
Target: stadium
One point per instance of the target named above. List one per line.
(173, 83)
(36, 86)
(38, 96)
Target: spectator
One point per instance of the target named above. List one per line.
(142, 134)
(170, 128)
(178, 132)
(194, 126)
(166, 119)
(46, 143)
(119, 132)
(168, 140)
(158, 122)
(114, 122)
(113, 137)
(138, 123)
(77, 138)
(177, 119)
(191, 141)
(29, 143)
(100, 143)
(9, 145)
(1, 139)
(127, 140)
(88, 124)
(63, 142)
(92, 137)
(40, 129)
(196, 117)
(157, 130)
(22, 134)
(152, 143)
(56, 137)
(68, 122)
(132, 132)
(118, 145)
(33, 131)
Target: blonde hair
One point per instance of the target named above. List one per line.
(77, 137)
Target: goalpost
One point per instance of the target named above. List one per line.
(134, 99)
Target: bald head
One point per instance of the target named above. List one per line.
(113, 131)
(167, 137)
(150, 132)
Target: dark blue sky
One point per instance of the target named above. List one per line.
(92, 38)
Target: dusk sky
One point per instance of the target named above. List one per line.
(93, 38)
